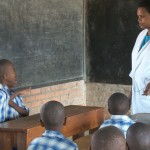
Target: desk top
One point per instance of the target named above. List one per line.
(34, 120)
(141, 117)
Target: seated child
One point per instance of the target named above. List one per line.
(11, 104)
(52, 116)
(138, 137)
(108, 138)
(118, 106)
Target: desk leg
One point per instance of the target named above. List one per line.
(6, 140)
(21, 141)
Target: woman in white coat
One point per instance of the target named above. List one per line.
(140, 72)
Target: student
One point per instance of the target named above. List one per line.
(108, 138)
(52, 116)
(11, 104)
(140, 72)
(118, 106)
(138, 137)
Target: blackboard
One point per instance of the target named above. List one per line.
(111, 33)
(43, 38)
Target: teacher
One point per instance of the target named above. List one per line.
(140, 72)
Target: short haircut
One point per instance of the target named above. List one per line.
(145, 4)
(52, 114)
(3, 66)
(108, 138)
(138, 136)
(118, 104)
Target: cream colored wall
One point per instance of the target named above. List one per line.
(97, 94)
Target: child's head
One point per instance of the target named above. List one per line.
(118, 104)
(52, 115)
(138, 137)
(7, 73)
(143, 13)
(108, 138)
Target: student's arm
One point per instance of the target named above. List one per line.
(22, 111)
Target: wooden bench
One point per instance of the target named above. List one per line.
(84, 142)
(19, 133)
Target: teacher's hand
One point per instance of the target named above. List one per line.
(147, 90)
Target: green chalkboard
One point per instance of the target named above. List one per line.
(43, 38)
(112, 30)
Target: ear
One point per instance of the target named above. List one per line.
(4, 76)
(41, 123)
(65, 120)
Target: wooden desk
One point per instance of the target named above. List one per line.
(19, 133)
(141, 117)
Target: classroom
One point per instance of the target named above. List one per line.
(77, 52)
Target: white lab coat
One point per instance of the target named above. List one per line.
(140, 75)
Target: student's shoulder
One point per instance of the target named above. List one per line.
(3, 93)
(37, 147)
(132, 121)
(70, 143)
(2, 88)
(36, 141)
(107, 121)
